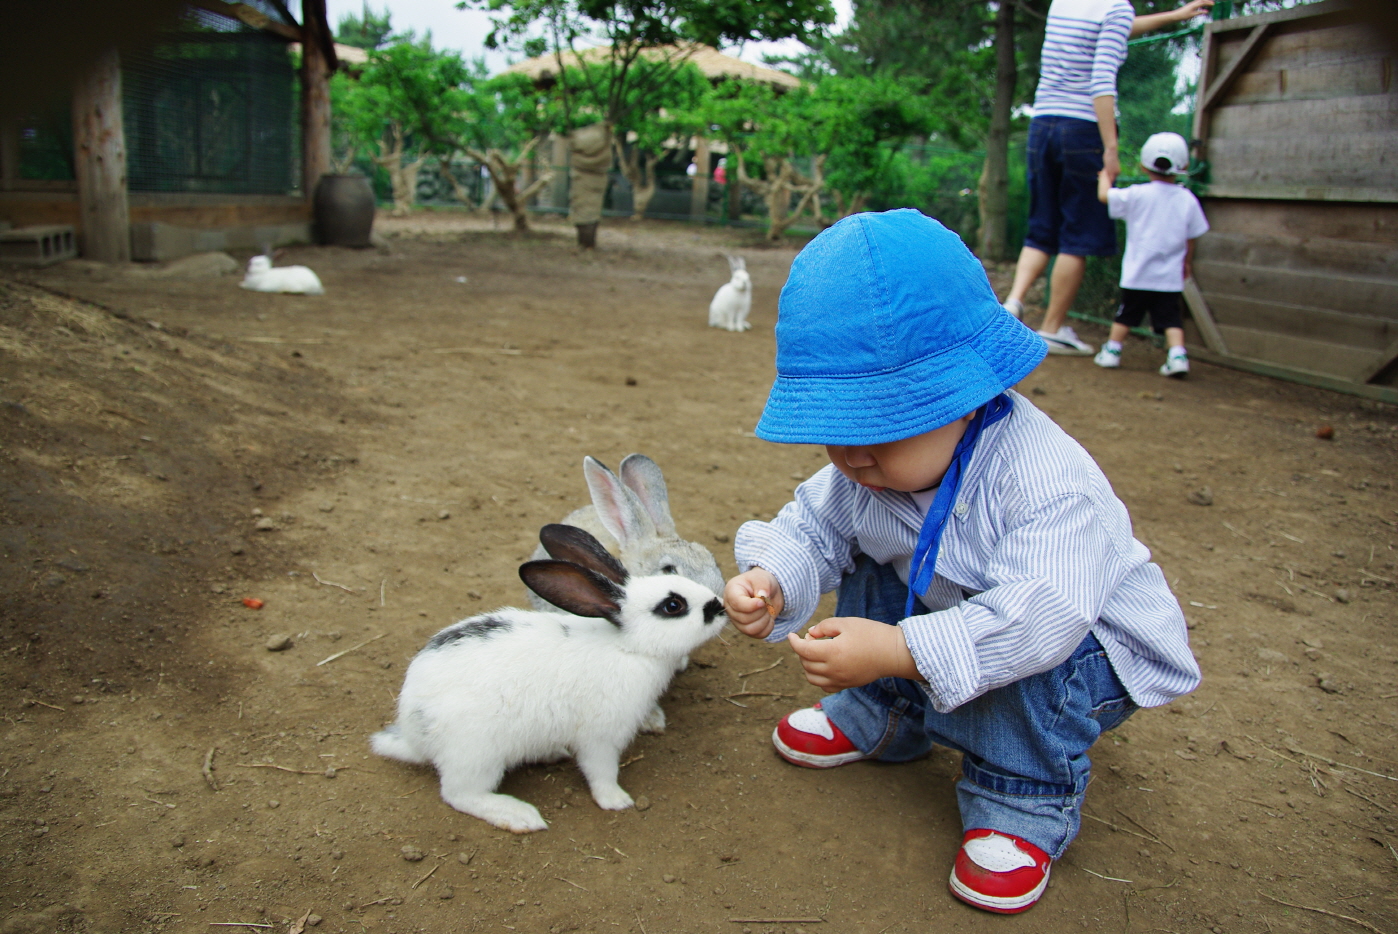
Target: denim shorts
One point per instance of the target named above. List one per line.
(1065, 155)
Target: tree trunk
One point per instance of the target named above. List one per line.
(994, 187)
(403, 176)
(504, 174)
(639, 169)
(776, 189)
(99, 144)
(315, 100)
(699, 189)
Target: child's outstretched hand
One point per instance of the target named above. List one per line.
(847, 651)
(753, 600)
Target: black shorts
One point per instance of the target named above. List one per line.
(1164, 309)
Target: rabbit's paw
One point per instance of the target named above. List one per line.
(503, 811)
(614, 798)
(654, 721)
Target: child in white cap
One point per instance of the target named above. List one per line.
(992, 599)
(1163, 219)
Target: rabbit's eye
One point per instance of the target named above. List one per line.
(673, 605)
(669, 569)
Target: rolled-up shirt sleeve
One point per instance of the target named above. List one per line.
(1050, 577)
(808, 547)
(1110, 52)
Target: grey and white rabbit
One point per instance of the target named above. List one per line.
(514, 686)
(732, 303)
(263, 277)
(630, 516)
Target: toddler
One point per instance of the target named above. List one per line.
(1163, 220)
(991, 597)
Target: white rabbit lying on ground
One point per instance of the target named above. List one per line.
(262, 277)
(515, 686)
(733, 301)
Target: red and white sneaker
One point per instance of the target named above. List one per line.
(807, 738)
(999, 872)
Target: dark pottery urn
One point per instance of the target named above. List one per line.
(344, 210)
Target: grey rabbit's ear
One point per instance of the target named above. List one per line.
(570, 543)
(573, 588)
(619, 509)
(643, 477)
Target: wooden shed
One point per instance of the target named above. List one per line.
(192, 141)
(1297, 121)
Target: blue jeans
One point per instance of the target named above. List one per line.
(1064, 157)
(1024, 764)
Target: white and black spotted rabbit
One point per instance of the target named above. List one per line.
(515, 686)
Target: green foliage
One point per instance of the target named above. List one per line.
(371, 30)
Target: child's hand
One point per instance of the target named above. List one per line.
(845, 652)
(753, 601)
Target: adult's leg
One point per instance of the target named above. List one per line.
(1031, 265)
(1063, 285)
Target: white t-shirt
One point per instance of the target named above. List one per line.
(1160, 218)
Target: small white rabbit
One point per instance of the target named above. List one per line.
(516, 686)
(261, 277)
(630, 516)
(733, 301)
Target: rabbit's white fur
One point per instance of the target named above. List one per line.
(262, 277)
(516, 686)
(630, 516)
(732, 302)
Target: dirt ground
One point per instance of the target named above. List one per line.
(375, 463)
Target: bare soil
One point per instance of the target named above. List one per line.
(375, 463)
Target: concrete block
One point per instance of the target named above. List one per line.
(39, 245)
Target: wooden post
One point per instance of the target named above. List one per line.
(315, 97)
(699, 193)
(99, 150)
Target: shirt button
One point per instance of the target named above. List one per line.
(961, 510)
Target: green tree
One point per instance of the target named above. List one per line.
(370, 30)
(404, 109)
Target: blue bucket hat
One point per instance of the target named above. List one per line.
(888, 328)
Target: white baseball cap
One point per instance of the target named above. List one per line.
(1170, 147)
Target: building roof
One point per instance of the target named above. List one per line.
(710, 61)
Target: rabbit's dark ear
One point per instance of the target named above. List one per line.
(570, 543)
(573, 588)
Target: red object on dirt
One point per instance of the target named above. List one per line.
(252, 602)
(1325, 432)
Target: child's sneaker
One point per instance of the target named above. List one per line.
(807, 738)
(1108, 357)
(1065, 341)
(1014, 306)
(999, 872)
(1176, 366)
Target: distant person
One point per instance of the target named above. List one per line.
(1163, 220)
(1072, 137)
(721, 172)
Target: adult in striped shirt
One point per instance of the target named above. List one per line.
(1073, 137)
(992, 598)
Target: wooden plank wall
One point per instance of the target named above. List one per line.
(1316, 108)
(1300, 268)
(1301, 283)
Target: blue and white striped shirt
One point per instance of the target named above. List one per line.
(1037, 552)
(1084, 46)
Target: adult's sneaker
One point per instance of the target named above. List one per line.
(1176, 366)
(807, 738)
(1065, 341)
(999, 872)
(1107, 357)
(1014, 306)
